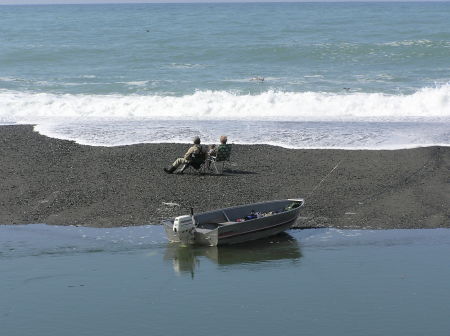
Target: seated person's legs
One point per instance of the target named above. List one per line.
(178, 162)
(195, 149)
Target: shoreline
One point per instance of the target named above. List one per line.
(281, 144)
(59, 182)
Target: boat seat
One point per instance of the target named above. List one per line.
(212, 226)
(227, 223)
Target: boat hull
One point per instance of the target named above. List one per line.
(255, 234)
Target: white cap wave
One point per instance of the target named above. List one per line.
(427, 103)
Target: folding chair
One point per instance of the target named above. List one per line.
(221, 158)
(197, 162)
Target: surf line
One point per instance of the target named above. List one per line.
(326, 176)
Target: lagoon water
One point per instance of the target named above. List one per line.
(336, 75)
(131, 281)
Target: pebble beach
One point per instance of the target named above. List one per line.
(59, 182)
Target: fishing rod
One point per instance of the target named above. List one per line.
(326, 176)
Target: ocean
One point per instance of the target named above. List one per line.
(297, 75)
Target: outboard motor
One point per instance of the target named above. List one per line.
(184, 228)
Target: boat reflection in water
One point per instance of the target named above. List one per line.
(264, 252)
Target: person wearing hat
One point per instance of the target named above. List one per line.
(194, 150)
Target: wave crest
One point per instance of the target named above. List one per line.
(427, 103)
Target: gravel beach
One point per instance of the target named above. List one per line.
(46, 180)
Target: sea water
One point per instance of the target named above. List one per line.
(132, 281)
(300, 75)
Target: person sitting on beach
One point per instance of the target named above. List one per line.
(213, 148)
(194, 150)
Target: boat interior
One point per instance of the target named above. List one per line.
(213, 219)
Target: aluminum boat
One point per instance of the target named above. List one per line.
(234, 225)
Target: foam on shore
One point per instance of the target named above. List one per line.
(287, 119)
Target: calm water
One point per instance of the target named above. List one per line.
(83, 72)
(131, 281)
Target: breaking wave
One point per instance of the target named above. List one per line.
(425, 104)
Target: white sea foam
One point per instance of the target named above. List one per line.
(288, 119)
(347, 135)
(313, 76)
(186, 66)
(409, 43)
(8, 79)
(137, 83)
(426, 104)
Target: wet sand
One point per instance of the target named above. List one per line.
(45, 180)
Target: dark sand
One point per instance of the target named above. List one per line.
(45, 180)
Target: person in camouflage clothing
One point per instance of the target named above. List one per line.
(194, 150)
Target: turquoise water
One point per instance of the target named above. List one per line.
(82, 72)
(86, 281)
(180, 48)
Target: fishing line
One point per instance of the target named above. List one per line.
(321, 181)
(403, 181)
